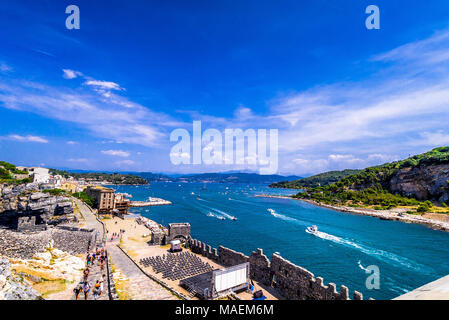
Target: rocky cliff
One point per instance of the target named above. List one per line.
(423, 183)
(23, 207)
(12, 286)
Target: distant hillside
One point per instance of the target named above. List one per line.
(113, 178)
(152, 177)
(11, 175)
(421, 177)
(322, 179)
(250, 178)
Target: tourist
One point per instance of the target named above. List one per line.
(96, 291)
(77, 290)
(86, 274)
(86, 289)
(102, 283)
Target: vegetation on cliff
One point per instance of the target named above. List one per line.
(112, 178)
(80, 195)
(7, 172)
(322, 179)
(371, 186)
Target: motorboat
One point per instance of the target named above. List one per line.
(222, 218)
(234, 219)
(312, 229)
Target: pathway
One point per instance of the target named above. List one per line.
(137, 286)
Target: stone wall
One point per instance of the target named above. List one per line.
(73, 240)
(291, 281)
(24, 245)
(178, 230)
(229, 258)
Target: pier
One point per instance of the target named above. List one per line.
(150, 202)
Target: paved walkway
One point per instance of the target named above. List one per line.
(138, 286)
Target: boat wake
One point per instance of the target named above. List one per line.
(361, 267)
(376, 253)
(283, 217)
(221, 214)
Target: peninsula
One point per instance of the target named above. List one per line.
(412, 190)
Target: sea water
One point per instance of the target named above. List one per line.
(407, 255)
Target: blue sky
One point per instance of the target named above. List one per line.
(108, 95)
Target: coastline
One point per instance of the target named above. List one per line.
(397, 214)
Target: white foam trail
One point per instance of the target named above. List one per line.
(377, 253)
(224, 214)
(285, 218)
(362, 267)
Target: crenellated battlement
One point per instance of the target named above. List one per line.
(291, 281)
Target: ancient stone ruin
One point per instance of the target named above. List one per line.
(291, 281)
(23, 208)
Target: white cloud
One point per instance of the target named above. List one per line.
(117, 153)
(70, 74)
(72, 142)
(5, 68)
(27, 138)
(88, 110)
(108, 85)
(439, 138)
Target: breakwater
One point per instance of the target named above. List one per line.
(291, 281)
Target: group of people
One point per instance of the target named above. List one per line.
(116, 235)
(97, 257)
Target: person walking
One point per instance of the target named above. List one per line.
(86, 289)
(96, 291)
(77, 290)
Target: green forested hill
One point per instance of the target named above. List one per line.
(384, 185)
(113, 178)
(322, 179)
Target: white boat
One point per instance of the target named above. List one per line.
(312, 229)
(270, 210)
(234, 218)
(222, 218)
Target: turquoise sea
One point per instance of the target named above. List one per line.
(408, 255)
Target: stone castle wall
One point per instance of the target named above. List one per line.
(291, 281)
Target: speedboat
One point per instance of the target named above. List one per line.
(312, 229)
(234, 218)
(222, 218)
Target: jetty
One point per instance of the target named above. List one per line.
(150, 202)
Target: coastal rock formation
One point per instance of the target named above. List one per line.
(422, 183)
(25, 209)
(12, 286)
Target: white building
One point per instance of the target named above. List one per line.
(40, 175)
